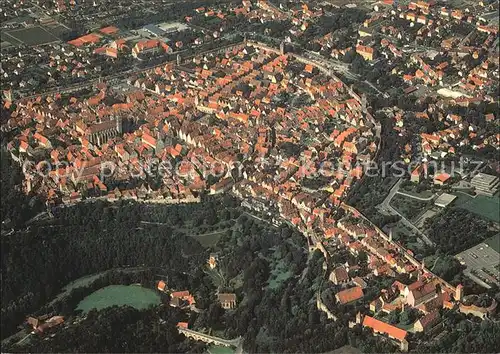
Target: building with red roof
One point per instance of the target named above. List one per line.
(349, 295)
(109, 30)
(441, 178)
(384, 328)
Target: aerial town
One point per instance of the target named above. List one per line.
(286, 106)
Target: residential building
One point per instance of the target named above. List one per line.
(427, 322)
(380, 327)
(339, 276)
(349, 295)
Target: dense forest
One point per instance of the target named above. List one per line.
(454, 230)
(16, 207)
(463, 335)
(118, 330)
(38, 261)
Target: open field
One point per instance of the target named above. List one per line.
(131, 295)
(30, 36)
(210, 239)
(429, 213)
(218, 349)
(494, 243)
(481, 205)
(279, 274)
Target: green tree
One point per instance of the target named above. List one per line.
(393, 317)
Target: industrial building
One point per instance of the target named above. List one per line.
(485, 184)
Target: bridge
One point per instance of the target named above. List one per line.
(210, 339)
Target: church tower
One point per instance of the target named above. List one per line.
(119, 125)
(459, 292)
(364, 103)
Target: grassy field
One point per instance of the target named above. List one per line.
(494, 242)
(481, 205)
(218, 349)
(279, 274)
(9, 40)
(131, 295)
(210, 239)
(31, 36)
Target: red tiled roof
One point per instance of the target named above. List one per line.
(184, 293)
(349, 295)
(109, 30)
(385, 328)
(429, 319)
(88, 38)
(182, 325)
(443, 177)
(161, 285)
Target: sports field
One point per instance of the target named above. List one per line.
(131, 295)
(494, 242)
(36, 35)
(481, 205)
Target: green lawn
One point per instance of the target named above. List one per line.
(481, 205)
(208, 240)
(422, 194)
(494, 242)
(218, 349)
(32, 36)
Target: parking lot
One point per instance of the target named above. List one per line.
(482, 261)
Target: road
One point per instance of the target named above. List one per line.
(336, 65)
(386, 208)
(415, 197)
(259, 218)
(385, 204)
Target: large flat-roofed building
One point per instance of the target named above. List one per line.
(444, 200)
(154, 30)
(482, 262)
(485, 184)
(169, 27)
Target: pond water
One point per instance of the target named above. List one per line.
(131, 295)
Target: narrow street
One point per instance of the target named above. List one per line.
(386, 208)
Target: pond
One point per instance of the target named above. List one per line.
(131, 295)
